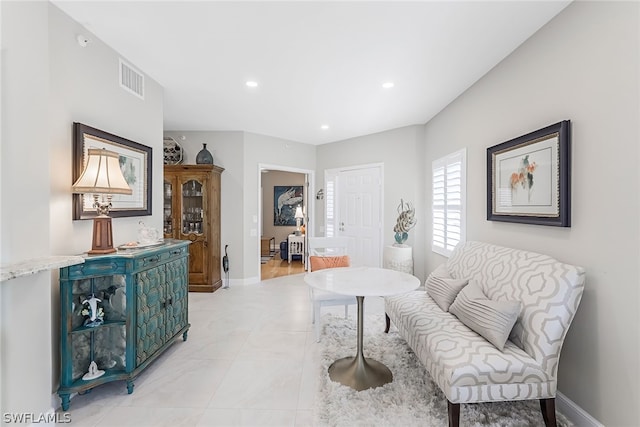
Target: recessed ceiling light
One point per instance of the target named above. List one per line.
(251, 83)
(324, 127)
(387, 85)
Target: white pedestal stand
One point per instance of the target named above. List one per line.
(399, 258)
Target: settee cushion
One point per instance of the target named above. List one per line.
(491, 319)
(443, 288)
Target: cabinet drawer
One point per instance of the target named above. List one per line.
(159, 258)
(99, 268)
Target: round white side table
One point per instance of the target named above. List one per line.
(399, 258)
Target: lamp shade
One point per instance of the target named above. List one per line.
(298, 213)
(101, 174)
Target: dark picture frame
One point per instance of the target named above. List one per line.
(135, 161)
(285, 200)
(529, 178)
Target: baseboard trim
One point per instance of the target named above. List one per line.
(575, 413)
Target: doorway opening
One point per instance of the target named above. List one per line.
(283, 219)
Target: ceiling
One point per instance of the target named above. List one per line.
(316, 62)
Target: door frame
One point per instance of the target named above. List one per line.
(309, 199)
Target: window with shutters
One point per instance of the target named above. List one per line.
(330, 179)
(449, 176)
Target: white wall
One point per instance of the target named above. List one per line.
(261, 149)
(49, 82)
(583, 66)
(25, 338)
(401, 151)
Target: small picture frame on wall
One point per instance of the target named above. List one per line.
(528, 178)
(285, 201)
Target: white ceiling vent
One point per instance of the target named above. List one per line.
(131, 79)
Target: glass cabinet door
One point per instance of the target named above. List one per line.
(192, 204)
(167, 201)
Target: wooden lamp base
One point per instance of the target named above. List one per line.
(102, 236)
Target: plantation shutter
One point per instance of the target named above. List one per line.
(448, 202)
(330, 203)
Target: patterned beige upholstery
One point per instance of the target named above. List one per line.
(467, 367)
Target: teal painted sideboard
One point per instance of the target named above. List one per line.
(143, 299)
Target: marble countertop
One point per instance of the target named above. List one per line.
(36, 265)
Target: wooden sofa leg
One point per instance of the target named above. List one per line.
(387, 321)
(548, 407)
(454, 414)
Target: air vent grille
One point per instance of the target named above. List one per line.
(131, 79)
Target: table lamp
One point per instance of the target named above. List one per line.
(298, 215)
(103, 177)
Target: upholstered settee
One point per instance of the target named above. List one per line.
(490, 324)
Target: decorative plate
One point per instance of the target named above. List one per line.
(172, 151)
(138, 245)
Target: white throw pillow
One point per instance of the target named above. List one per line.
(491, 319)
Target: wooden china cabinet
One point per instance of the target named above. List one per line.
(192, 212)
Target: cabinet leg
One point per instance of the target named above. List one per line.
(185, 335)
(65, 401)
(129, 386)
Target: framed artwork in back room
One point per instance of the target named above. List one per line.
(285, 201)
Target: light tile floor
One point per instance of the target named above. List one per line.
(250, 360)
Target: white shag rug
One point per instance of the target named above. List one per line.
(412, 399)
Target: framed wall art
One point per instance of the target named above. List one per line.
(528, 178)
(285, 200)
(135, 162)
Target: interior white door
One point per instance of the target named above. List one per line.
(359, 197)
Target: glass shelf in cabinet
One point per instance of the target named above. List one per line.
(105, 324)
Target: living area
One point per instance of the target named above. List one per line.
(581, 66)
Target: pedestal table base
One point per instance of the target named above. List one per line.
(358, 372)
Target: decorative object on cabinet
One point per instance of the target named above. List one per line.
(192, 212)
(103, 178)
(135, 163)
(172, 151)
(145, 304)
(148, 235)
(95, 313)
(204, 157)
(285, 200)
(298, 217)
(405, 222)
(529, 179)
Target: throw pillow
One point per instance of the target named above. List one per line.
(491, 319)
(444, 290)
(322, 262)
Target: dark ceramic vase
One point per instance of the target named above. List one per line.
(204, 157)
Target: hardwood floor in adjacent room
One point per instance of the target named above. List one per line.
(277, 267)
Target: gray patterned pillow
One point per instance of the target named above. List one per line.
(442, 288)
(491, 319)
